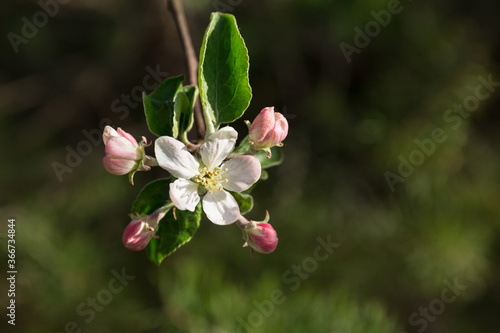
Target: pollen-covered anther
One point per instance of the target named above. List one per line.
(211, 180)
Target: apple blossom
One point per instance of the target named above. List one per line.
(209, 177)
(123, 154)
(268, 129)
(207, 174)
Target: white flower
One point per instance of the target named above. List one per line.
(209, 178)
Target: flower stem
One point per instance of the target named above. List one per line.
(242, 222)
(165, 208)
(175, 7)
(150, 161)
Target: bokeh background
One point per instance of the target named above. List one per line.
(349, 124)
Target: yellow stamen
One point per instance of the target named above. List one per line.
(211, 180)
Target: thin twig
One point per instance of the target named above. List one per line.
(175, 7)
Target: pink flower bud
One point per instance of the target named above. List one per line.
(141, 229)
(268, 129)
(123, 154)
(137, 234)
(261, 237)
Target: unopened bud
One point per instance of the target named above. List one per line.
(137, 234)
(141, 229)
(123, 154)
(268, 129)
(260, 236)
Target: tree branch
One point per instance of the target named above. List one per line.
(175, 7)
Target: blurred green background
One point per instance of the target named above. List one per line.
(350, 124)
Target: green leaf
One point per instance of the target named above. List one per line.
(159, 107)
(225, 90)
(245, 202)
(173, 231)
(153, 196)
(183, 111)
(277, 157)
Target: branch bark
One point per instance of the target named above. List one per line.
(175, 7)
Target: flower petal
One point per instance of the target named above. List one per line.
(262, 237)
(184, 194)
(280, 127)
(221, 207)
(120, 147)
(242, 172)
(279, 132)
(137, 235)
(108, 133)
(173, 156)
(218, 146)
(262, 126)
(118, 167)
(127, 136)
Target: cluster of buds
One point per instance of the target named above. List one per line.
(207, 179)
(268, 130)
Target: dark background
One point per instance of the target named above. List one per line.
(350, 124)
